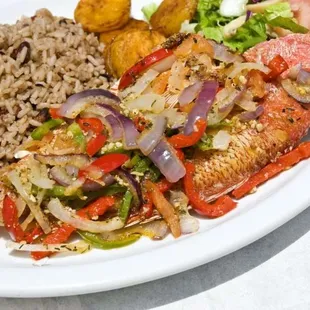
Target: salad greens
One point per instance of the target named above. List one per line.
(149, 10)
(210, 21)
(252, 32)
(249, 34)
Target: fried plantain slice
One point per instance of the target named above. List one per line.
(102, 15)
(171, 14)
(107, 37)
(128, 48)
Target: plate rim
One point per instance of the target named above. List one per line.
(99, 277)
(102, 279)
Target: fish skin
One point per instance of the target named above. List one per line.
(219, 172)
(294, 48)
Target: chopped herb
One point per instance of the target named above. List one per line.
(206, 143)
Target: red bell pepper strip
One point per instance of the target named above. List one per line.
(63, 232)
(10, 219)
(273, 169)
(277, 66)
(95, 144)
(54, 113)
(164, 185)
(98, 140)
(131, 74)
(180, 140)
(147, 208)
(110, 162)
(91, 124)
(106, 163)
(96, 208)
(219, 208)
(164, 207)
(34, 234)
(180, 154)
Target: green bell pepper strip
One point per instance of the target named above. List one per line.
(125, 206)
(142, 164)
(114, 150)
(106, 191)
(78, 135)
(97, 242)
(59, 192)
(45, 128)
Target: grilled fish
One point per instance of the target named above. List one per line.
(284, 123)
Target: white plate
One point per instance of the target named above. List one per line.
(274, 204)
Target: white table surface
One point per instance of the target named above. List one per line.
(272, 273)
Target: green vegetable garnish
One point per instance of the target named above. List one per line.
(78, 135)
(287, 23)
(206, 143)
(107, 191)
(97, 242)
(125, 206)
(252, 32)
(149, 10)
(142, 164)
(45, 128)
(210, 21)
(59, 192)
(114, 150)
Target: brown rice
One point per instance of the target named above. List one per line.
(59, 59)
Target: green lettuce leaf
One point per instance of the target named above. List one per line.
(287, 23)
(280, 9)
(210, 20)
(252, 32)
(149, 10)
(249, 34)
(281, 15)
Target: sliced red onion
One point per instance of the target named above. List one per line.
(130, 132)
(165, 158)
(222, 53)
(202, 105)
(248, 15)
(79, 161)
(188, 223)
(92, 186)
(115, 128)
(164, 64)
(229, 101)
(134, 186)
(72, 171)
(149, 139)
(292, 89)
(251, 115)
(293, 72)
(60, 175)
(303, 77)
(246, 101)
(111, 122)
(141, 84)
(78, 102)
(190, 93)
